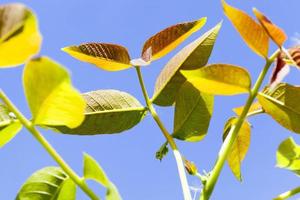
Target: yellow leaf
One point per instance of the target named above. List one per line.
(20, 38)
(274, 32)
(239, 148)
(110, 57)
(51, 97)
(252, 33)
(219, 79)
(168, 39)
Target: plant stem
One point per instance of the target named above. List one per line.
(227, 144)
(47, 146)
(288, 194)
(169, 138)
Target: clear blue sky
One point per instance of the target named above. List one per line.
(129, 158)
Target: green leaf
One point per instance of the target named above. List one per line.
(168, 39)
(240, 146)
(108, 111)
(252, 33)
(20, 38)
(50, 94)
(48, 183)
(220, 79)
(9, 126)
(282, 105)
(162, 152)
(288, 156)
(193, 56)
(193, 111)
(92, 170)
(110, 57)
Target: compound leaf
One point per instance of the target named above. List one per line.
(252, 33)
(193, 56)
(282, 105)
(168, 39)
(20, 38)
(110, 57)
(48, 183)
(239, 148)
(219, 79)
(288, 156)
(274, 32)
(193, 111)
(108, 111)
(52, 99)
(92, 170)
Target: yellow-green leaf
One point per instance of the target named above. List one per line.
(282, 105)
(50, 94)
(252, 33)
(193, 111)
(92, 170)
(240, 146)
(168, 39)
(110, 57)
(274, 32)
(255, 107)
(219, 79)
(288, 156)
(20, 38)
(193, 56)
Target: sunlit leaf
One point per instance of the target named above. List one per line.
(193, 111)
(110, 57)
(239, 148)
(9, 126)
(51, 97)
(108, 111)
(288, 155)
(282, 104)
(193, 56)
(295, 54)
(92, 170)
(48, 183)
(252, 33)
(274, 32)
(255, 107)
(280, 71)
(168, 39)
(20, 38)
(219, 79)
(162, 152)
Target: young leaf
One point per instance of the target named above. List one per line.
(193, 111)
(168, 39)
(51, 97)
(283, 106)
(193, 56)
(20, 38)
(295, 54)
(252, 33)
(92, 170)
(280, 71)
(255, 107)
(239, 148)
(274, 32)
(288, 156)
(162, 152)
(108, 111)
(110, 57)
(219, 79)
(48, 183)
(9, 126)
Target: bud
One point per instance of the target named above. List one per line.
(190, 167)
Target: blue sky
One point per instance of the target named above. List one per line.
(128, 158)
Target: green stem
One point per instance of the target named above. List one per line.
(288, 194)
(227, 144)
(169, 138)
(47, 146)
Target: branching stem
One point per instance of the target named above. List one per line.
(169, 138)
(47, 146)
(227, 144)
